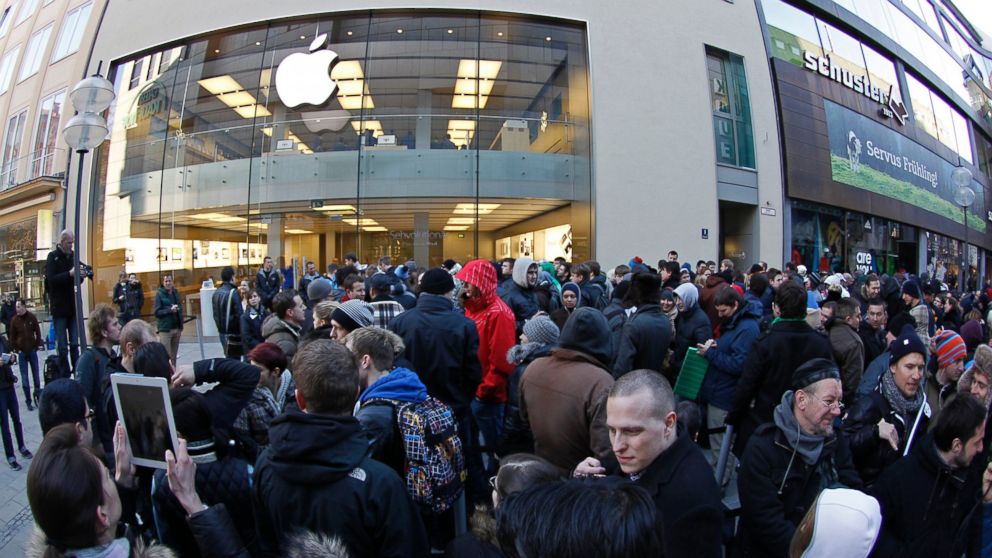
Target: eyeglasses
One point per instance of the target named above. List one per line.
(492, 482)
(90, 414)
(835, 405)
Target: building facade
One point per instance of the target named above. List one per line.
(454, 130)
(879, 104)
(44, 45)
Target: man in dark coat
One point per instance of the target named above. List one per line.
(790, 460)
(227, 314)
(692, 327)
(59, 284)
(641, 412)
(647, 333)
(442, 345)
(316, 474)
(872, 330)
(776, 354)
(927, 497)
(268, 282)
(519, 294)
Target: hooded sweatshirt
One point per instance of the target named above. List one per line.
(519, 295)
(378, 418)
(496, 326)
(316, 475)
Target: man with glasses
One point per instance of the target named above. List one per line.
(62, 402)
(789, 460)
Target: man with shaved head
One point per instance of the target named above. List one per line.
(643, 427)
(60, 286)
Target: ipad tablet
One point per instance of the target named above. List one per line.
(145, 410)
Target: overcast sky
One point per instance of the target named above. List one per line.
(979, 13)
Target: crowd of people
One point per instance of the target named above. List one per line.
(534, 409)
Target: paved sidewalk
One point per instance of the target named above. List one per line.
(15, 515)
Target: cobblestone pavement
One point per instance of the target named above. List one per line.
(15, 515)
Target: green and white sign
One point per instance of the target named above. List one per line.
(870, 156)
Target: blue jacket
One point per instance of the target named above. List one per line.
(727, 359)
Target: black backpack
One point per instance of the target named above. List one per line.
(51, 371)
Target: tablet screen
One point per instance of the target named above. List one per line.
(145, 419)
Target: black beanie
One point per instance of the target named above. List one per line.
(813, 371)
(436, 281)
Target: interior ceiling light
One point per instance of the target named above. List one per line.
(374, 125)
(456, 227)
(220, 84)
(363, 222)
(353, 92)
(252, 111)
(219, 217)
(474, 83)
(297, 231)
(461, 131)
(237, 99)
(337, 208)
(374, 229)
(267, 130)
(469, 208)
(461, 220)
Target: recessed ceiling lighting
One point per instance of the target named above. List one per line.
(461, 221)
(258, 43)
(350, 33)
(296, 231)
(399, 30)
(217, 51)
(547, 38)
(304, 37)
(450, 31)
(456, 227)
(499, 34)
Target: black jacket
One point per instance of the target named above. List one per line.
(770, 509)
(226, 302)
(251, 327)
(316, 474)
(644, 341)
(59, 284)
(768, 372)
(236, 380)
(687, 498)
(523, 303)
(7, 378)
(225, 481)
(860, 424)
(268, 285)
(925, 506)
(442, 347)
(873, 341)
(691, 327)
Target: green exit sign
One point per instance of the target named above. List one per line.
(316, 204)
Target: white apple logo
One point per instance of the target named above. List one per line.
(306, 78)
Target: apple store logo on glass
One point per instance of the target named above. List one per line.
(305, 78)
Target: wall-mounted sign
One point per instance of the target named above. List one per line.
(705, 234)
(769, 211)
(870, 156)
(858, 83)
(864, 262)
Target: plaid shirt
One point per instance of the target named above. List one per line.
(384, 311)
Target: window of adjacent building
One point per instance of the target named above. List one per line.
(71, 33)
(33, 53)
(924, 10)
(984, 145)
(7, 67)
(731, 108)
(26, 12)
(12, 149)
(46, 134)
(136, 74)
(791, 30)
(5, 17)
(937, 117)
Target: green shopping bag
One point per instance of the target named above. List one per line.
(691, 376)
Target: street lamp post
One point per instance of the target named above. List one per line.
(84, 132)
(964, 196)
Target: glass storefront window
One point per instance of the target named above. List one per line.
(445, 133)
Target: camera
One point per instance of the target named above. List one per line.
(85, 270)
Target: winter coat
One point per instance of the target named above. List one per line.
(227, 304)
(925, 323)
(873, 374)
(267, 285)
(754, 304)
(225, 481)
(167, 319)
(442, 346)
(873, 341)
(235, 379)
(92, 372)
(134, 298)
(563, 398)
(777, 487)
(707, 295)
(317, 475)
(849, 354)
(925, 505)
(251, 327)
(687, 498)
(767, 373)
(25, 333)
(7, 378)
(644, 341)
(481, 541)
(872, 455)
(519, 295)
(517, 437)
(593, 293)
(496, 326)
(262, 407)
(282, 333)
(378, 418)
(691, 327)
(727, 358)
(59, 284)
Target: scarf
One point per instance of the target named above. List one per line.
(906, 408)
(807, 446)
(117, 548)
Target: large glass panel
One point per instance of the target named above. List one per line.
(961, 136)
(984, 145)
(923, 113)
(6, 17)
(7, 67)
(791, 31)
(881, 71)
(433, 136)
(32, 55)
(46, 133)
(12, 150)
(26, 11)
(924, 10)
(71, 32)
(843, 49)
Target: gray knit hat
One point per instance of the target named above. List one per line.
(318, 290)
(541, 330)
(354, 314)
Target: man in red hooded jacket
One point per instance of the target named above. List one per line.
(497, 332)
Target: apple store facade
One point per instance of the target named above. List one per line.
(416, 136)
